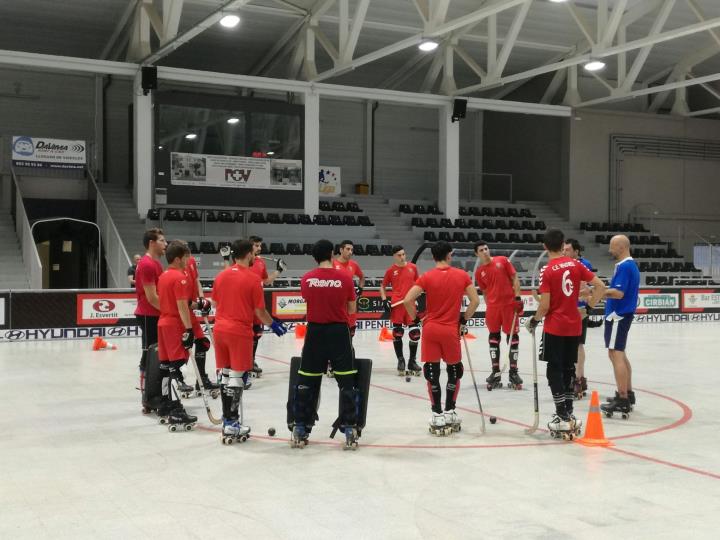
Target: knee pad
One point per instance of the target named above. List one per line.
(257, 331)
(398, 331)
(431, 370)
(202, 345)
(455, 372)
(235, 378)
(414, 333)
(494, 338)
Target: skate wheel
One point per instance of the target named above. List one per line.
(228, 440)
(188, 427)
(625, 416)
(489, 388)
(518, 387)
(163, 421)
(214, 394)
(172, 428)
(146, 410)
(243, 438)
(608, 415)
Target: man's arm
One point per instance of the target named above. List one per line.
(543, 307)
(351, 307)
(184, 312)
(599, 290)
(383, 294)
(615, 294)
(516, 284)
(264, 316)
(409, 300)
(151, 295)
(474, 302)
(271, 277)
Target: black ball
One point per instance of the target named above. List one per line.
(407, 379)
(271, 431)
(493, 419)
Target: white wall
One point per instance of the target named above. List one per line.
(342, 142)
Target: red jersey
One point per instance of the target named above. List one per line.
(561, 278)
(172, 286)
(237, 293)
(444, 289)
(401, 279)
(148, 272)
(259, 268)
(495, 281)
(351, 267)
(326, 292)
(191, 271)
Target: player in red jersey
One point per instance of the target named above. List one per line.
(147, 312)
(559, 289)
(330, 297)
(175, 334)
(498, 281)
(239, 299)
(444, 288)
(202, 343)
(344, 262)
(401, 277)
(260, 268)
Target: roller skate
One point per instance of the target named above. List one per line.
(438, 426)
(631, 398)
(233, 432)
(351, 438)
(165, 408)
(299, 437)
(577, 388)
(213, 389)
(576, 425)
(185, 390)
(514, 380)
(256, 371)
(583, 385)
(180, 420)
(401, 367)
(494, 380)
(561, 427)
(617, 405)
(414, 368)
(453, 421)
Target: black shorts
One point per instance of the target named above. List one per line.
(584, 331)
(560, 350)
(327, 343)
(148, 324)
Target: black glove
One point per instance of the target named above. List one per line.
(387, 306)
(531, 324)
(204, 305)
(280, 266)
(188, 339)
(358, 291)
(463, 325)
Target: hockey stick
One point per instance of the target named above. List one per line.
(536, 403)
(509, 337)
(198, 378)
(477, 394)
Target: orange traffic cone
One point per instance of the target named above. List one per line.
(594, 432)
(470, 336)
(385, 334)
(99, 344)
(300, 330)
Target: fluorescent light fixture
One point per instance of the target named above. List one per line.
(428, 45)
(191, 136)
(230, 21)
(160, 147)
(558, 1)
(233, 120)
(270, 153)
(594, 65)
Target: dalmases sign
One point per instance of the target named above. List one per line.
(40, 152)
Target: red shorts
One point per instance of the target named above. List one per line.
(233, 351)
(197, 329)
(170, 347)
(399, 315)
(501, 316)
(440, 341)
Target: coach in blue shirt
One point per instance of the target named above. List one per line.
(622, 299)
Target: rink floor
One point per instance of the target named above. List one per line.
(79, 460)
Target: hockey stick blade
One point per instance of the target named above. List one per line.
(477, 394)
(536, 420)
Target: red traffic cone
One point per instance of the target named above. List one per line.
(99, 344)
(300, 330)
(385, 334)
(594, 431)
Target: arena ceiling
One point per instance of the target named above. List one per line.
(487, 48)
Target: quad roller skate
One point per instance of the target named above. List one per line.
(414, 368)
(514, 380)
(401, 367)
(438, 426)
(453, 421)
(299, 437)
(233, 432)
(631, 398)
(494, 380)
(617, 405)
(180, 420)
(576, 425)
(185, 390)
(562, 427)
(256, 371)
(351, 438)
(213, 389)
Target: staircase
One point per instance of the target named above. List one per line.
(122, 209)
(12, 269)
(388, 223)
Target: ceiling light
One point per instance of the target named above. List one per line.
(558, 1)
(191, 136)
(233, 120)
(428, 45)
(160, 147)
(230, 21)
(270, 153)
(594, 65)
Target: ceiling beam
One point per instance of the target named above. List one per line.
(278, 46)
(613, 24)
(582, 25)
(704, 112)
(347, 51)
(119, 27)
(510, 38)
(172, 11)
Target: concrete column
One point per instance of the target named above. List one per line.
(312, 153)
(143, 147)
(449, 166)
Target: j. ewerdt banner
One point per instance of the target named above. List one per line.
(207, 170)
(42, 152)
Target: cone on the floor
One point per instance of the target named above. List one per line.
(385, 334)
(99, 344)
(470, 336)
(594, 432)
(300, 330)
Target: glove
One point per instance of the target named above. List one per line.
(188, 339)
(531, 324)
(519, 306)
(358, 291)
(278, 327)
(204, 305)
(225, 252)
(463, 325)
(417, 322)
(387, 306)
(280, 266)
(583, 312)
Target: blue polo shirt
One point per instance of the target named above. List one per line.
(588, 265)
(626, 279)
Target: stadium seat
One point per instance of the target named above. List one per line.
(583, 226)
(500, 237)
(193, 247)
(372, 250)
(429, 236)
(419, 209)
(515, 238)
(444, 236)
(153, 214)
(210, 216)
(320, 219)
(459, 237)
(445, 223)
(488, 224)
(539, 237)
(528, 238)
(473, 237)
(276, 248)
(432, 223)
(255, 217)
(540, 225)
(207, 248)
(304, 219)
(334, 220)
(221, 245)
(325, 206)
(501, 224)
(461, 224)
(358, 250)
(525, 212)
(294, 249)
(500, 212)
(307, 249)
(464, 211)
(273, 218)
(650, 280)
(405, 209)
(487, 237)
(474, 211)
(513, 212)
(667, 267)
(474, 223)
(417, 222)
(386, 249)
(173, 215)
(191, 215)
(239, 217)
(353, 207)
(349, 221)
(338, 206)
(434, 210)
(528, 225)
(289, 219)
(364, 221)
(487, 211)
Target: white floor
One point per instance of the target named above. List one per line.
(78, 460)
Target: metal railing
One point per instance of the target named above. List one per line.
(116, 256)
(30, 255)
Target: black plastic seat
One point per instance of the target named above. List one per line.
(358, 250)
(419, 209)
(173, 215)
(473, 237)
(445, 236)
(289, 219)
(459, 237)
(321, 220)
(386, 249)
(256, 217)
(193, 247)
(153, 214)
(304, 219)
(349, 221)
(191, 215)
(338, 206)
(434, 210)
(207, 248)
(353, 207)
(500, 237)
(307, 249)
(372, 250)
(487, 237)
(273, 218)
(210, 216)
(432, 223)
(461, 224)
(325, 206)
(334, 220)
(430, 236)
(276, 248)
(293, 249)
(405, 209)
(446, 223)
(417, 222)
(364, 221)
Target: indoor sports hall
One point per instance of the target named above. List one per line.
(150, 150)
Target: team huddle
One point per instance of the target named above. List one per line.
(169, 300)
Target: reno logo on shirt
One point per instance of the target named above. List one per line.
(333, 283)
